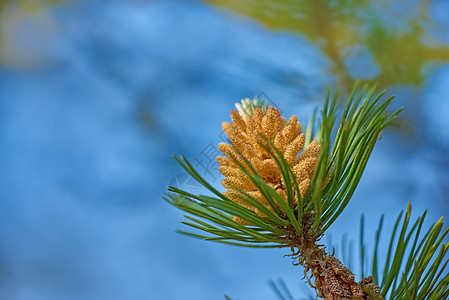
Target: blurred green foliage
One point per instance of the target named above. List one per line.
(15, 15)
(397, 36)
(30, 4)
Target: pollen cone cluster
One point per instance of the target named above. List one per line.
(248, 135)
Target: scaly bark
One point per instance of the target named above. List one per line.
(333, 281)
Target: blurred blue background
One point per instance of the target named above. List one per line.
(95, 96)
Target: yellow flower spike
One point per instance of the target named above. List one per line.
(258, 116)
(224, 161)
(238, 120)
(294, 148)
(304, 187)
(279, 142)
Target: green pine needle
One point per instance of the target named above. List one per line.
(414, 263)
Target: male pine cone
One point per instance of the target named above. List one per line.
(248, 135)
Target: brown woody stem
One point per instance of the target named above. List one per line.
(333, 281)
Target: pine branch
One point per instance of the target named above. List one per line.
(284, 190)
